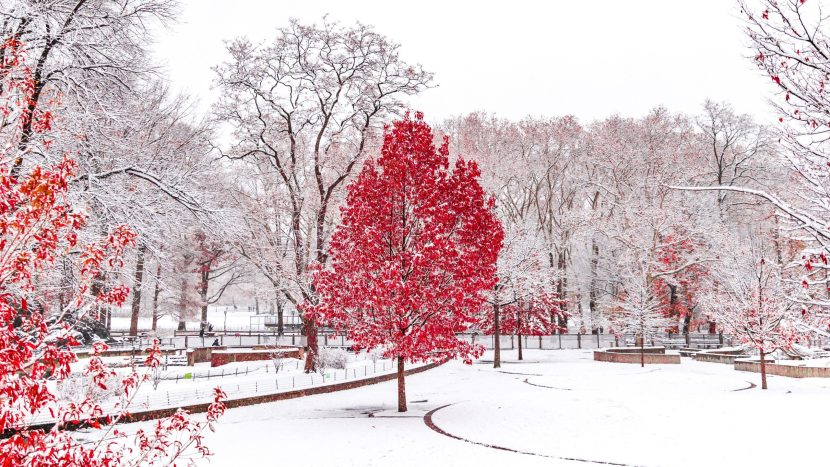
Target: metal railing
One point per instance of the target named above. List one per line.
(548, 342)
(267, 384)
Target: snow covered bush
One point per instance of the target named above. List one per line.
(332, 358)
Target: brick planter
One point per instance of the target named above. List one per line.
(712, 357)
(630, 357)
(789, 371)
(201, 354)
(223, 357)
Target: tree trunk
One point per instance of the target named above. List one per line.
(203, 290)
(280, 323)
(139, 278)
(182, 304)
(96, 289)
(497, 337)
(310, 332)
(401, 387)
(520, 347)
(593, 293)
(156, 292)
(562, 290)
(763, 371)
(519, 330)
(642, 351)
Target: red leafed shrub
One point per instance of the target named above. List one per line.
(37, 226)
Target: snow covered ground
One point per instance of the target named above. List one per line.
(183, 385)
(558, 407)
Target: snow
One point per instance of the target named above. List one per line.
(184, 385)
(560, 404)
(236, 320)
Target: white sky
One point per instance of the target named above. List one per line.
(514, 58)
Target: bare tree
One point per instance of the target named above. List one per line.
(308, 105)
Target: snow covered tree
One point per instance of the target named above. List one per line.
(524, 300)
(38, 228)
(415, 253)
(748, 298)
(310, 105)
(637, 310)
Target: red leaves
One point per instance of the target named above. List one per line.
(37, 226)
(415, 252)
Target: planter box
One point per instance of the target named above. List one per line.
(629, 357)
(223, 357)
(790, 371)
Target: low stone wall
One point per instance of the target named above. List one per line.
(201, 354)
(712, 357)
(272, 347)
(790, 371)
(649, 350)
(688, 352)
(133, 417)
(223, 357)
(628, 357)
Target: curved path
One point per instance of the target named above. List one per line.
(543, 386)
(431, 424)
(751, 386)
(517, 373)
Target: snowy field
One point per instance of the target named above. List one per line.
(557, 407)
(183, 385)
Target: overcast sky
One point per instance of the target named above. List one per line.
(590, 59)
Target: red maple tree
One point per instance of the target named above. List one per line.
(38, 225)
(414, 255)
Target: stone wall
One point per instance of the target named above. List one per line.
(223, 357)
(790, 371)
(201, 354)
(728, 358)
(627, 357)
(647, 349)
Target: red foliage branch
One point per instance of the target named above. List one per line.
(37, 226)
